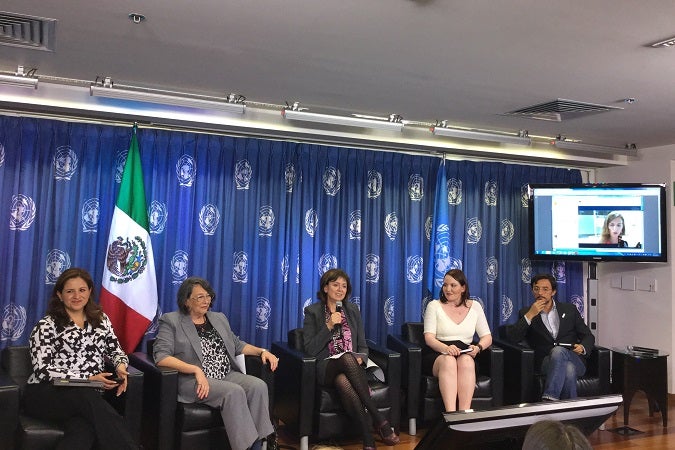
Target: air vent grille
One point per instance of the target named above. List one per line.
(561, 109)
(17, 30)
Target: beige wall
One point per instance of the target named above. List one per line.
(640, 317)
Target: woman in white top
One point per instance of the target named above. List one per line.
(449, 327)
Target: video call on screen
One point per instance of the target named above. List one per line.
(571, 221)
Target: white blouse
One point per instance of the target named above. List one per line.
(437, 322)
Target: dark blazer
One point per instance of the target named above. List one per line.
(177, 337)
(572, 330)
(316, 335)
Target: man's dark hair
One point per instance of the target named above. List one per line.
(545, 276)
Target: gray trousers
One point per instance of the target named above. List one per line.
(243, 402)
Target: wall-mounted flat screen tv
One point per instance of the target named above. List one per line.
(598, 222)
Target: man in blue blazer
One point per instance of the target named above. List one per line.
(559, 336)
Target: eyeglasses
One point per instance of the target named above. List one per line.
(543, 289)
(202, 298)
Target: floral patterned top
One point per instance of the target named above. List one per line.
(342, 337)
(216, 363)
(71, 351)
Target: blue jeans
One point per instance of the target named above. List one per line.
(562, 368)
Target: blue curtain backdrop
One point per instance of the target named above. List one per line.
(262, 220)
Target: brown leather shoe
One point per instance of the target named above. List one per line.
(390, 438)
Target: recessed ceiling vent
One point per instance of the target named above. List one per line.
(560, 109)
(18, 30)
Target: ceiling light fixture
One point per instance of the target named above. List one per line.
(20, 79)
(522, 138)
(664, 43)
(562, 143)
(394, 123)
(234, 103)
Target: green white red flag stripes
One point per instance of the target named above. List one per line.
(129, 291)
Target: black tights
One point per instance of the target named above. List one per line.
(350, 381)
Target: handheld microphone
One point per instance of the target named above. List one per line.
(338, 308)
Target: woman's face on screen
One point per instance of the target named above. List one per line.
(615, 227)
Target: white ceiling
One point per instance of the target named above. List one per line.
(467, 62)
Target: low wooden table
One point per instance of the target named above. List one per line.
(632, 372)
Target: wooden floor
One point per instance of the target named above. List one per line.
(653, 435)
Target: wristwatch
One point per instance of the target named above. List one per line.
(263, 351)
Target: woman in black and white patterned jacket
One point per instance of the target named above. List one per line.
(73, 341)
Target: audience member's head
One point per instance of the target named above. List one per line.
(326, 447)
(554, 435)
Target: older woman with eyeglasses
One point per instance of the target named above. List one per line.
(201, 346)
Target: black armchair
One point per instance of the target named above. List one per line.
(316, 411)
(421, 395)
(30, 433)
(9, 413)
(170, 424)
(524, 385)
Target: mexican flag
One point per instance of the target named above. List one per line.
(129, 291)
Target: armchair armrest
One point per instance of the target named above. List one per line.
(296, 376)
(518, 372)
(160, 395)
(390, 363)
(491, 363)
(411, 372)
(598, 365)
(388, 360)
(133, 402)
(255, 367)
(9, 413)
(129, 405)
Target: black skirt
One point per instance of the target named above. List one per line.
(429, 356)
